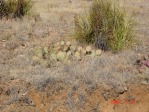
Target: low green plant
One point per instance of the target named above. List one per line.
(107, 26)
(27, 5)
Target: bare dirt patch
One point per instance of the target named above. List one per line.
(58, 96)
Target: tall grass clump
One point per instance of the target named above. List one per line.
(3, 9)
(107, 26)
(15, 8)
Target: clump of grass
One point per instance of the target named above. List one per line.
(15, 8)
(22, 8)
(11, 6)
(107, 26)
(3, 9)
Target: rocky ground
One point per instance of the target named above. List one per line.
(106, 83)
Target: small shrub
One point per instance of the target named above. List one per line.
(3, 9)
(22, 8)
(106, 26)
(15, 8)
(11, 6)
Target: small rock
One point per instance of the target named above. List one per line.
(98, 52)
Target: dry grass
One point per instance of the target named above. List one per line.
(14, 8)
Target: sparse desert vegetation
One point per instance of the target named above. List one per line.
(106, 25)
(14, 8)
(45, 69)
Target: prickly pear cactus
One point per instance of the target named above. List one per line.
(61, 56)
(73, 48)
(45, 63)
(62, 43)
(68, 55)
(79, 48)
(93, 53)
(57, 44)
(98, 52)
(35, 60)
(57, 48)
(68, 43)
(88, 49)
(53, 56)
(39, 52)
(83, 51)
(66, 49)
(61, 52)
(46, 50)
(77, 55)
